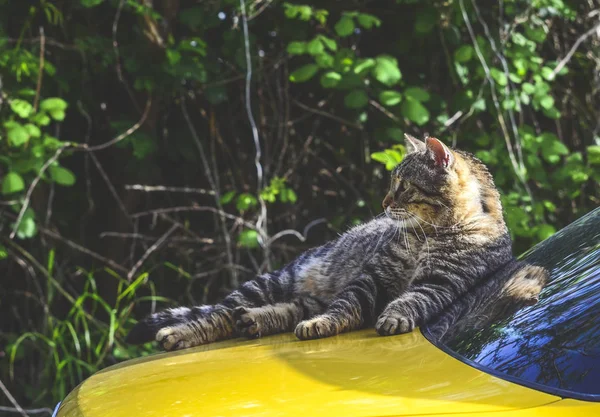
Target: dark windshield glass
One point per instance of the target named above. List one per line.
(553, 345)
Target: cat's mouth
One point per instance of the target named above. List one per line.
(405, 219)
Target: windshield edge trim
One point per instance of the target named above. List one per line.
(559, 392)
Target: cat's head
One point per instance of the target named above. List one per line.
(438, 187)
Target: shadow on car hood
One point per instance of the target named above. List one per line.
(355, 374)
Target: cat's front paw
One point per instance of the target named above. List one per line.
(316, 328)
(390, 323)
(247, 322)
(175, 338)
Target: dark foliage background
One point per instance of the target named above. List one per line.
(143, 163)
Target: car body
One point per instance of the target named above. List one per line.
(541, 360)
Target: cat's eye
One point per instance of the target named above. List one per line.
(402, 187)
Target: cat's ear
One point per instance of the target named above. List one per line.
(413, 144)
(439, 152)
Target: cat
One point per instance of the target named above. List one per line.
(442, 231)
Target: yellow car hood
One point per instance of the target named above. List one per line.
(355, 374)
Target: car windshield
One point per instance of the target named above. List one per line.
(553, 345)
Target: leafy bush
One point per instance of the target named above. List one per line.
(143, 163)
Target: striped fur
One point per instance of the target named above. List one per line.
(442, 231)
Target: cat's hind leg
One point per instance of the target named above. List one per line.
(350, 310)
(183, 327)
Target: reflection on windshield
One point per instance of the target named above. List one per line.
(554, 344)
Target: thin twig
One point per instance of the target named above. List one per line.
(259, 11)
(196, 208)
(51, 280)
(572, 51)
(115, 44)
(151, 249)
(384, 111)
(111, 187)
(128, 132)
(154, 188)
(507, 88)
(488, 76)
(302, 237)
(153, 239)
(261, 222)
(453, 119)
(32, 186)
(41, 69)
(28, 410)
(328, 115)
(217, 195)
(78, 247)
(12, 399)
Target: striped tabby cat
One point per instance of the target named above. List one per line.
(441, 233)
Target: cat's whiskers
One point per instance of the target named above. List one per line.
(426, 240)
(437, 225)
(380, 236)
(404, 235)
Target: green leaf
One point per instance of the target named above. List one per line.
(390, 157)
(173, 57)
(509, 104)
(315, 47)
(57, 114)
(330, 79)
(552, 148)
(53, 103)
(356, 99)
(52, 143)
(291, 195)
(544, 231)
(17, 133)
(33, 130)
(3, 252)
(61, 175)
(390, 98)
(27, 228)
(324, 60)
(594, 154)
(552, 113)
(528, 88)
(464, 53)
(216, 94)
(548, 73)
(245, 201)
(363, 65)
(345, 26)
(12, 183)
(304, 73)
(227, 197)
(21, 107)
(248, 239)
(41, 119)
(368, 21)
(426, 20)
(386, 70)
(90, 3)
(328, 42)
(417, 93)
(296, 48)
(413, 110)
(499, 76)
(547, 102)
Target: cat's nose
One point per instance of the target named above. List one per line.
(387, 201)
